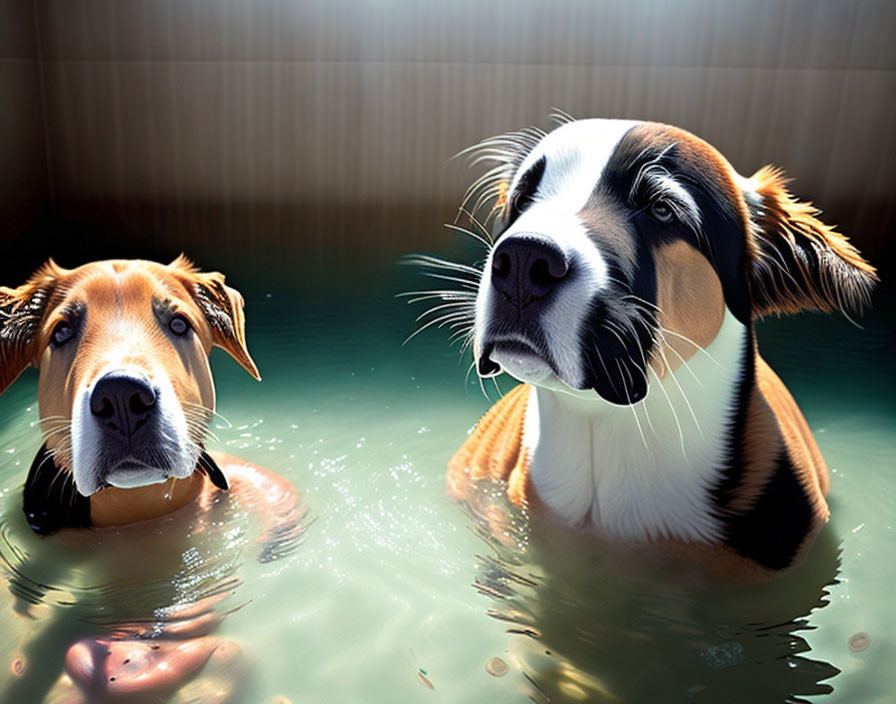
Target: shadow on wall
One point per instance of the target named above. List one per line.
(252, 133)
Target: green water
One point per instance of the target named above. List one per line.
(396, 595)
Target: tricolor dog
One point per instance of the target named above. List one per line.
(628, 263)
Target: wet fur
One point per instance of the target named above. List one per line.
(27, 316)
(745, 246)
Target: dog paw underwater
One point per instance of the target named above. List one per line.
(126, 541)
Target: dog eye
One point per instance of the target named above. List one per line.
(662, 211)
(179, 325)
(62, 333)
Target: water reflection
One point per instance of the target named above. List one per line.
(94, 614)
(590, 624)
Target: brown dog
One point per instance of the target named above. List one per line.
(125, 395)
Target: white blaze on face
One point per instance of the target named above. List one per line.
(163, 453)
(575, 156)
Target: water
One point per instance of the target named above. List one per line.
(396, 594)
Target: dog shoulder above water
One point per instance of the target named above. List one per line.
(629, 263)
(125, 388)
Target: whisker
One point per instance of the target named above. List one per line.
(561, 117)
(211, 411)
(482, 387)
(671, 374)
(659, 383)
(453, 305)
(600, 358)
(634, 412)
(684, 362)
(470, 285)
(667, 331)
(487, 243)
(427, 260)
(445, 295)
(485, 231)
(432, 322)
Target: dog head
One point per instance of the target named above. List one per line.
(125, 389)
(619, 246)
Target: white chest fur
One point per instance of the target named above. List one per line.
(640, 472)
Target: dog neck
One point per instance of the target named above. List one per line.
(51, 501)
(643, 472)
(113, 506)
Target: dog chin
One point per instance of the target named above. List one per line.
(522, 364)
(131, 474)
(529, 367)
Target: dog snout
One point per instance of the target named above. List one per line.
(123, 402)
(526, 268)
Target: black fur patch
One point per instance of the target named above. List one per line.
(723, 236)
(50, 500)
(525, 191)
(772, 531)
(20, 320)
(734, 471)
(210, 468)
(215, 305)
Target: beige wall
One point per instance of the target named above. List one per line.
(298, 125)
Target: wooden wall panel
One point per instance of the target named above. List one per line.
(24, 183)
(302, 126)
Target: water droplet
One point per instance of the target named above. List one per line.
(496, 667)
(859, 642)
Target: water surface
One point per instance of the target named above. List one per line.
(397, 594)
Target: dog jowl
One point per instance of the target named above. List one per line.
(125, 389)
(626, 266)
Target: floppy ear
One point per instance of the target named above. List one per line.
(798, 262)
(222, 307)
(22, 311)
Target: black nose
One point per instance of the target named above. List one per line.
(525, 268)
(122, 401)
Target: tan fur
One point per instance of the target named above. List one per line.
(801, 447)
(21, 309)
(120, 300)
(494, 450)
(775, 424)
(703, 159)
(691, 303)
(114, 507)
(841, 283)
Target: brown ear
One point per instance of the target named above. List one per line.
(799, 263)
(222, 307)
(22, 311)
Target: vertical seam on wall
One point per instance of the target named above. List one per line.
(48, 157)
